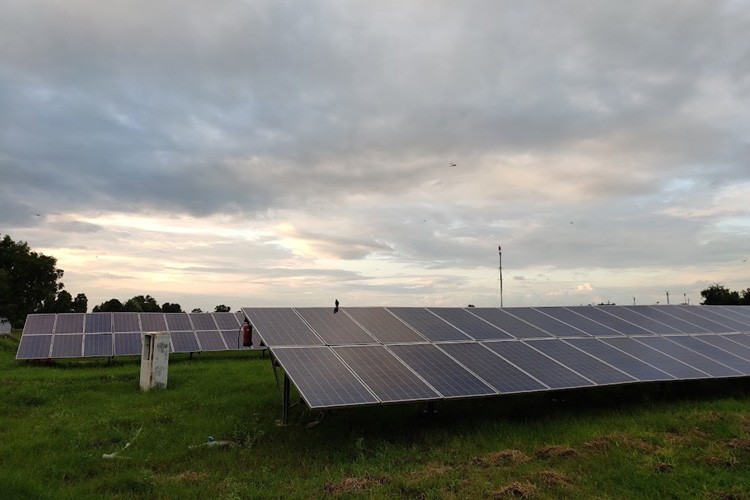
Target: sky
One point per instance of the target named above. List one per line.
(285, 153)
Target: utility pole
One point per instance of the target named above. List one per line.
(667, 297)
(500, 255)
(633, 300)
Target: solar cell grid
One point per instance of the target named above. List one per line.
(631, 315)
(661, 313)
(127, 344)
(580, 362)
(741, 338)
(153, 322)
(98, 323)
(126, 322)
(427, 324)
(281, 327)
(696, 318)
(619, 325)
(471, 325)
(231, 339)
(491, 368)
(547, 323)
(740, 310)
(67, 346)
(732, 312)
(383, 325)
(178, 322)
(184, 342)
(541, 367)
(226, 321)
(202, 321)
(617, 358)
(69, 323)
(725, 342)
(210, 340)
(34, 347)
(583, 323)
(724, 363)
(334, 328)
(384, 374)
(655, 358)
(323, 380)
(714, 314)
(509, 323)
(97, 344)
(39, 324)
(691, 358)
(446, 376)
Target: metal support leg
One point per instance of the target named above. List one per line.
(285, 404)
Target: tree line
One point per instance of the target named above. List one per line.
(147, 303)
(719, 295)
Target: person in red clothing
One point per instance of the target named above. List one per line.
(247, 333)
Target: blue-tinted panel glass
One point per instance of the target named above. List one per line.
(545, 322)
(67, 346)
(202, 321)
(126, 322)
(154, 322)
(69, 323)
(601, 315)
(662, 314)
(383, 325)
(127, 344)
(472, 325)
(580, 362)
(99, 323)
(226, 321)
(509, 323)
(34, 347)
(428, 324)
(335, 328)
(625, 362)
(655, 358)
(211, 340)
(177, 322)
(184, 342)
(39, 324)
(97, 344)
(280, 326)
(723, 364)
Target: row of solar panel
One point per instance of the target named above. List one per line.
(339, 376)
(372, 325)
(77, 345)
(72, 323)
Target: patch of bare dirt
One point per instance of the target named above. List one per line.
(556, 452)
(554, 478)
(429, 471)
(355, 484)
(601, 443)
(516, 490)
(739, 443)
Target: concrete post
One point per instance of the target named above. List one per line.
(154, 360)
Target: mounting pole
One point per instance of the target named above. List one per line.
(667, 297)
(285, 403)
(500, 255)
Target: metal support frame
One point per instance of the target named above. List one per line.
(285, 403)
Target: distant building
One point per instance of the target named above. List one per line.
(4, 326)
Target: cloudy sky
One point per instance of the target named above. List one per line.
(288, 153)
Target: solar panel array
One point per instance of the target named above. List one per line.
(372, 355)
(77, 335)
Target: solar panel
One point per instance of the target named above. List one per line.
(384, 374)
(503, 376)
(98, 323)
(541, 367)
(689, 357)
(619, 325)
(580, 362)
(97, 344)
(697, 318)
(742, 338)
(662, 314)
(383, 325)
(471, 325)
(232, 339)
(39, 324)
(426, 323)
(279, 326)
(509, 323)
(226, 321)
(323, 380)
(184, 342)
(69, 323)
(155, 322)
(620, 360)
(726, 343)
(725, 363)
(211, 341)
(735, 314)
(67, 346)
(178, 322)
(655, 358)
(126, 322)
(631, 315)
(127, 344)
(582, 323)
(714, 314)
(202, 321)
(334, 328)
(545, 322)
(34, 347)
(446, 376)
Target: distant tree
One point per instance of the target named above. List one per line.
(222, 309)
(745, 297)
(80, 303)
(112, 305)
(63, 303)
(171, 308)
(139, 303)
(197, 310)
(720, 295)
(29, 281)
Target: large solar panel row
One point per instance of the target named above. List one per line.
(77, 335)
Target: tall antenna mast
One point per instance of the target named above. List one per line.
(500, 254)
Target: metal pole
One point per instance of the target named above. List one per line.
(667, 298)
(500, 255)
(285, 407)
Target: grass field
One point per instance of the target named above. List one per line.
(57, 421)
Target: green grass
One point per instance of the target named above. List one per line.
(685, 440)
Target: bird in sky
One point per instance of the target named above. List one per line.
(453, 164)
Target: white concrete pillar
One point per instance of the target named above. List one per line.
(154, 360)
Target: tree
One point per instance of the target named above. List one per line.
(139, 303)
(171, 308)
(29, 281)
(112, 305)
(80, 303)
(63, 303)
(718, 294)
(197, 310)
(222, 309)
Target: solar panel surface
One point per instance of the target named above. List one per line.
(655, 357)
(334, 328)
(632, 366)
(600, 315)
(34, 347)
(279, 326)
(202, 321)
(127, 344)
(184, 342)
(427, 324)
(98, 323)
(69, 323)
(67, 346)
(178, 322)
(97, 344)
(510, 324)
(383, 326)
(580, 362)
(153, 322)
(211, 340)
(547, 323)
(126, 322)
(39, 324)
(726, 364)
(727, 343)
(470, 324)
